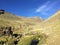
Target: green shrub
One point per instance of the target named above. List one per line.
(10, 41)
(26, 40)
(43, 39)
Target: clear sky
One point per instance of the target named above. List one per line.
(30, 8)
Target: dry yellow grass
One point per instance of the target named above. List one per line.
(51, 27)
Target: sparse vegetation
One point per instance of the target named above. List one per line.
(16, 30)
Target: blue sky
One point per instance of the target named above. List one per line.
(31, 8)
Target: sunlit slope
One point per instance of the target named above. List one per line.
(8, 19)
(51, 27)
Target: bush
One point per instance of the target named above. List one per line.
(1, 42)
(43, 39)
(26, 40)
(10, 41)
(37, 39)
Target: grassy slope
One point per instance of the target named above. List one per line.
(51, 27)
(8, 19)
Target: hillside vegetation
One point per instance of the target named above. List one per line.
(29, 31)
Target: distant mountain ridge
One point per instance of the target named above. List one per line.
(8, 19)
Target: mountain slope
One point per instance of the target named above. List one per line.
(8, 19)
(47, 32)
(51, 27)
